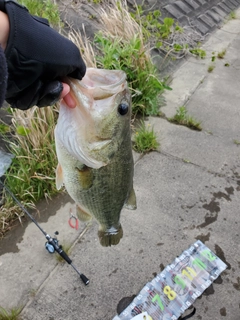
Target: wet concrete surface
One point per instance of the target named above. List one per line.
(43, 211)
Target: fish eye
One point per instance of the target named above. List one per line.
(123, 109)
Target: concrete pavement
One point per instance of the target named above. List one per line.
(188, 190)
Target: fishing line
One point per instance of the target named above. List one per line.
(52, 244)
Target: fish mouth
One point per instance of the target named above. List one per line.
(103, 78)
(110, 237)
(99, 83)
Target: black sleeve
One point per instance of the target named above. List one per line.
(38, 57)
(3, 76)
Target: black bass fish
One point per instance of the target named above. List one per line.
(94, 150)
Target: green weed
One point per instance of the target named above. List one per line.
(4, 128)
(237, 142)
(221, 54)
(12, 314)
(43, 8)
(145, 139)
(198, 52)
(232, 15)
(96, 1)
(32, 293)
(213, 57)
(181, 117)
(131, 57)
(123, 46)
(211, 68)
(151, 25)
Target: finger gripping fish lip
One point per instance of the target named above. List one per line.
(111, 236)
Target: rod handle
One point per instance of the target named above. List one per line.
(84, 279)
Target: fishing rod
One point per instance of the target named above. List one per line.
(52, 244)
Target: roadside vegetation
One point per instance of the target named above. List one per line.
(12, 314)
(182, 117)
(44, 8)
(232, 15)
(221, 54)
(145, 140)
(237, 142)
(211, 68)
(125, 42)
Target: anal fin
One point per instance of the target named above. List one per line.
(131, 202)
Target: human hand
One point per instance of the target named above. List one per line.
(38, 59)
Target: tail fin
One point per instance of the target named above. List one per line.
(110, 237)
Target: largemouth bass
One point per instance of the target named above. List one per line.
(94, 150)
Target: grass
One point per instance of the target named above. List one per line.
(31, 176)
(165, 34)
(237, 142)
(151, 25)
(131, 57)
(221, 54)
(198, 52)
(95, 1)
(211, 68)
(123, 46)
(12, 314)
(45, 9)
(232, 15)
(4, 128)
(145, 139)
(181, 117)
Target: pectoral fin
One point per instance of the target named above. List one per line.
(131, 202)
(85, 177)
(59, 177)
